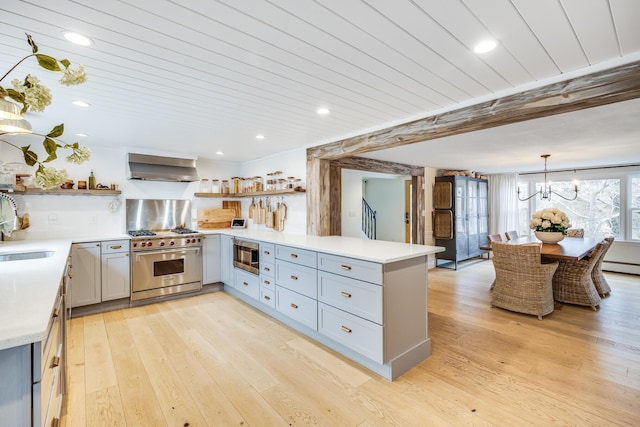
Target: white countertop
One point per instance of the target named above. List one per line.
(28, 288)
(353, 247)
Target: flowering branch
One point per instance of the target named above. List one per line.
(32, 95)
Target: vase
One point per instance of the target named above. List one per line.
(549, 236)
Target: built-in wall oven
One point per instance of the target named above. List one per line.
(246, 255)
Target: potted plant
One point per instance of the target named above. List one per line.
(550, 225)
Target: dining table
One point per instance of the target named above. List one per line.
(569, 248)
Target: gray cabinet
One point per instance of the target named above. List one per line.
(85, 274)
(226, 260)
(211, 271)
(461, 217)
(115, 267)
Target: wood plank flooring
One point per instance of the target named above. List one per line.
(212, 360)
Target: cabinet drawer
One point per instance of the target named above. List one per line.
(248, 284)
(298, 307)
(350, 267)
(298, 256)
(267, 282)
(267, 252)
(49, 346)
(353, 296)
(268, 297)
(111, 246)
(267, 269)
(352, 331)
(297, 278)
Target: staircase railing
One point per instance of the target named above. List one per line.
(368, 220)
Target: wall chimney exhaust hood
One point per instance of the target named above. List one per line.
(159, 168)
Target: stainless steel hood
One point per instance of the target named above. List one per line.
(159, 168)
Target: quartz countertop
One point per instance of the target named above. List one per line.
(354, 247)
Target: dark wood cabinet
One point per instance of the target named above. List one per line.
(460, 218)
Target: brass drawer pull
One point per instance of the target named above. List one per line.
(266, 282)
(266, 253)
(245, 283)
(345, 294)
(293, 305)
(55, 314)
(267, 269)
(294, 277)
(55, 362)
(344, 328)
(345, 267)
(267, 297)
(116, 247)
(294, 256)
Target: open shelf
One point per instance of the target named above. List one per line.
(62, 192)
(251, 194)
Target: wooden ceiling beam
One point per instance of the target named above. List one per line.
(604, 87)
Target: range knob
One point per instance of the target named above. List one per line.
(188, 241)
(161, 243)
(172, 243)
(149, 243)
(143, 244)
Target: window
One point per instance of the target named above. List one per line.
(608, 202)
(634, 211)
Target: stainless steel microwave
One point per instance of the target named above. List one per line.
(246, 255)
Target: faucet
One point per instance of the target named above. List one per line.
(13, 220)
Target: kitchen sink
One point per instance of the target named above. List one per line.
(32, 254)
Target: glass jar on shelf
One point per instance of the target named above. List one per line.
(298, 184)
(224, 188)
(215, 186)
(205, 185)
(290, 182)
(257, 184)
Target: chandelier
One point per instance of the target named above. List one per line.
(545, 191)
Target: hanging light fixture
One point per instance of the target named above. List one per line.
(11, 120)
(545, 191)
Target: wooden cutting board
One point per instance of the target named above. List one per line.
(215, 217)
(233, 204)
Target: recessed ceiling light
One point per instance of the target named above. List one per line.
(323, 111)
(219, 153)
(82, 135)
(81, 104)
(260, 136)
(77, 38)
(485, 46)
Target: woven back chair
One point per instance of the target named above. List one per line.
(512, 235)
(523, 283)
(601, 284)
(572, 282)
(494, 238)
(575, 232)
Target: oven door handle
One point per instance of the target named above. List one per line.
(177, 251)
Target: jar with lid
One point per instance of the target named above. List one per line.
(215, 186)
(257, 184)
(224, 187)
(290, 182)
(298, 184)
(205, 185)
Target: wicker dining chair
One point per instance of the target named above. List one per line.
(572, 282)
(601, 284)
(523, 284)
(575, 232)
(512, 235)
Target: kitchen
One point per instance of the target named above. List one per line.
(91, 216)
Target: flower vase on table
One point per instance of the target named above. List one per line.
(550, 225)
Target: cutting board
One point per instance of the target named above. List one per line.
(233, 204)
(215, 217)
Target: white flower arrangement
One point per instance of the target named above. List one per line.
(550, 219)
(36, 97)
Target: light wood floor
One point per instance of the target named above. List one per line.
(212, 360)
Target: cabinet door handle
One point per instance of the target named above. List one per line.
(294, 277)
(266, 282)
(293, 305)
(245, 283)
(116, 247)
(294, 255)
(344, 328)
(345, 294)
(266, 253)
(97, 244)
(55, 422)
(55, 314)
(267, 297)
(345, 267)
(55, 362)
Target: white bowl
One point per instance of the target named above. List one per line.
(549, 236)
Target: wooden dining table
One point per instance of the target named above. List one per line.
(569, 248)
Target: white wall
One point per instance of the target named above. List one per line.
(352, 203)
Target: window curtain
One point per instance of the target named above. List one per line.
(503, 203)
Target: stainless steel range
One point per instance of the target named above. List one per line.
(166, 255)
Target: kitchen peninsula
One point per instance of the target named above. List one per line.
(387, 334)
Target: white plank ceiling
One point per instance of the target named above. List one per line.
(200, 76)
